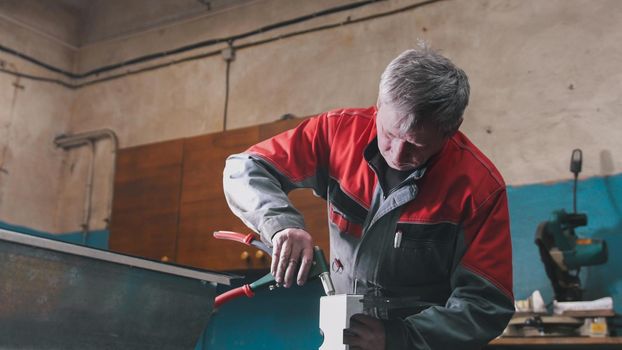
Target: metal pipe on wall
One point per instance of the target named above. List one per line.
(67, 142)
(89, 194)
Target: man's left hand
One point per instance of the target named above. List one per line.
(365, 333)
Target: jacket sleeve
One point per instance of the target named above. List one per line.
(481, 302)
(256, 182)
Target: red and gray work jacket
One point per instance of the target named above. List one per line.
(434, 252)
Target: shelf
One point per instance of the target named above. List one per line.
(557, 341)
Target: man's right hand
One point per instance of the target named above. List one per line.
(292, 255)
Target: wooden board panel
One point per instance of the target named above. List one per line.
(132, 162)
(204, 209)
(529, 342)
(198, 220)
(150, 190)
(198, 248)
(204, 161)
(168, 199)
(146, 233)
(146, 200)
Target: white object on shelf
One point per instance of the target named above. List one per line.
(559, 307)
(534, 303)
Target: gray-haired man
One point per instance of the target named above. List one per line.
(417, 214)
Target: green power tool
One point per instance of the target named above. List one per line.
(562, 251)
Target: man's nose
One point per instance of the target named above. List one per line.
(400, 151)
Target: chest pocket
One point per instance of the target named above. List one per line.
(422, 256)
(345, 213)
(344, 223)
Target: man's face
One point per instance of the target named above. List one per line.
(405, 151)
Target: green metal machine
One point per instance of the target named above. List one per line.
(562, 251)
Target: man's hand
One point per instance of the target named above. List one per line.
(292, 254)
(365, 333)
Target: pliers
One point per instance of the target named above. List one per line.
(319, 269)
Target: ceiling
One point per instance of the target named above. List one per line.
(83, 22)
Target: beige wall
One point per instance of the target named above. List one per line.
(545, 78)
(41, 29)
(31, 115)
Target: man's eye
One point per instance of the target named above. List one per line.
(416, 146)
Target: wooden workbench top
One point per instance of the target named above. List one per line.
(557, 341)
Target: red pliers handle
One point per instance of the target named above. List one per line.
(248, 289)
(250, 239)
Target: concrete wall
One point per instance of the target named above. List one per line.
(544, 77)
(45, 30)
(112, 19)
(32, 113)
(30, 166)
(230, 20)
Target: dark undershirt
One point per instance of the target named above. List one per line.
(390, 177)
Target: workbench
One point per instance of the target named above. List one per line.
(56, 295)
(534, 343)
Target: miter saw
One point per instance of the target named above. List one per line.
(562, 251)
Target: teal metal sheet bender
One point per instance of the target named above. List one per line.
(56, 295)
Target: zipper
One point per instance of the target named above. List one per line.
(384, 246)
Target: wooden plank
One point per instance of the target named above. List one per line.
(169, 199)
(589, 313)
(198, 220)
(132, 161)
(204, 162)
(150, 190)
(197, 247)
(204, 209)
(556, 341)
(146, 200)
(147, 233)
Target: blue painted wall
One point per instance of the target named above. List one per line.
(601, 199)
(288, 319)
(96, 239)
(279, 319)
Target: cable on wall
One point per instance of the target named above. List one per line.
(229, 55)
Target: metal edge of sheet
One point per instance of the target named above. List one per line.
(69, 248)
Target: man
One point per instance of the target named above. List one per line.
(418, 215)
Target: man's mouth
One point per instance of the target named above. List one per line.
(403, 166)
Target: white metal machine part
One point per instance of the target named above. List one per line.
(335, 313)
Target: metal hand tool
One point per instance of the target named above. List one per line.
(319, 269)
